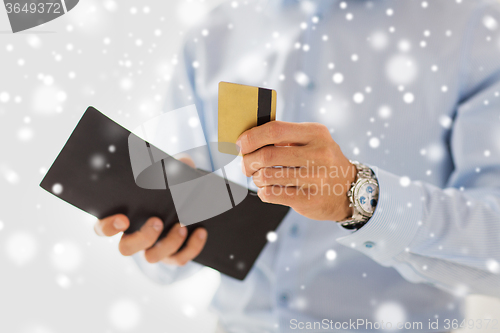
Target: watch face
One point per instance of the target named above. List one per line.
(368, 197)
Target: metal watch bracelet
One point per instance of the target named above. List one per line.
(358, 219)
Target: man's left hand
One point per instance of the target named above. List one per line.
(299, 165)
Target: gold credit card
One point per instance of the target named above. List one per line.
(242, 107)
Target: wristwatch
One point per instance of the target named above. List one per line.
(363, 197)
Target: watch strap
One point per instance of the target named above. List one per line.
(357, 220)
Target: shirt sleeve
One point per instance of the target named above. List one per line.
(450, 237)
(181, 93)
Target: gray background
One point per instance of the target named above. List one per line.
(56, 275)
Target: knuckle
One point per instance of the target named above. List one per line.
(295, 152)
(254, 166)
(266, 156)
(300, 173)
(270, 177)
(257, 178)
(266, 177)
(263, 176)
(267, 173)
(247, 141)
(247, 165)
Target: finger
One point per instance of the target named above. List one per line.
(274, 156)
(111, 225)
(168, 245)
(288, 196)
(279, 132)
(285, 177)
(194, 245)
(142, 239)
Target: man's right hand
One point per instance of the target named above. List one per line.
(166, 249)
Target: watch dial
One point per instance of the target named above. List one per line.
(368, 197)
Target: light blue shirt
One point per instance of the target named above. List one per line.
(411, 88)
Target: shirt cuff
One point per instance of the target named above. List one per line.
(395, 221)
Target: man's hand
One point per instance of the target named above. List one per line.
(164, 250)
(299, 165)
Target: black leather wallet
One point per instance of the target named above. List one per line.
(93, 172)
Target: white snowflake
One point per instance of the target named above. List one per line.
(358, 98)
(25, 134)
(66, 256)
(57, 189)
(272, 236)
(390, 312)
(490, 22)
(125, 314)
(302, 79)
(404, 181)
(374, 142)
(404, 45)
(331, 255)
(493, 266)
(338, 78)
(401, 69)
(445, 121)
(110, 5)
(379, 40)
(97, 161)
(408, 98)
(63, 281)
(384, 112)
(21, 248)
(4, 97)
